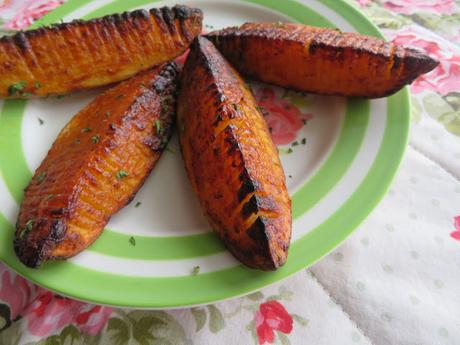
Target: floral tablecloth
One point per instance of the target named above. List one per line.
(395, 281)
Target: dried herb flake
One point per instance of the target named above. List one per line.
(41, 177)
(95, 139)
(17, 88)
(121, 174)
(195, 270)
(158, 126)
(27, 229)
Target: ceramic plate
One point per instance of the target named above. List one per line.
(339, 157)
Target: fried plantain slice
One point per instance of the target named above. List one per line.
(319, 60)
(95, 167)
(231, 161)
(85, 54)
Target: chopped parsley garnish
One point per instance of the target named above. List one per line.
(138, 204)
(37, 85)
(235, 106)
(158, 126)
(132, 240)
(142, 84)
(50, 196)
(260, 108)
(41, 177)
(304, 141)
(27, 228)
(95, 138)
(195, 270)
(121, 174)
(295, 143)
(280, 24)
(40, 121)
(290, 150)
(17, 88)
(85, 130)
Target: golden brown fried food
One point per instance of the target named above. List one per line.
(95, 166)
(320, 60)
(231, 161)
(85, 54)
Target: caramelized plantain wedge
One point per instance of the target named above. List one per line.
(95, 167)
(85, 54)
(320, 60)
(231, 161)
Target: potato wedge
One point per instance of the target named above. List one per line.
(95, 167)
(85, 54)
(231, 161)
(319, 60)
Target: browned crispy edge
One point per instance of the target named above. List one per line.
(167, 13)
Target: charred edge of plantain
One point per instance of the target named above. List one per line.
(165, 85)
(261, 255)
(31, 252)
(164, 15)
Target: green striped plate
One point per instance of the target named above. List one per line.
(352, 152)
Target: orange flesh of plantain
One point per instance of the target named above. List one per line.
(231, 161)
(85, 54)
(95, 167)
(319, 60)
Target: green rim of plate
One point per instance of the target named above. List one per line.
(79, 282)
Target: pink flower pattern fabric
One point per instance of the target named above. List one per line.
(270, 318)
(443, 79)
(413, 6)
(15, 290)
(26, 12)
(44, 315)
(456, 234)
(283, 118)
(48, 313)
